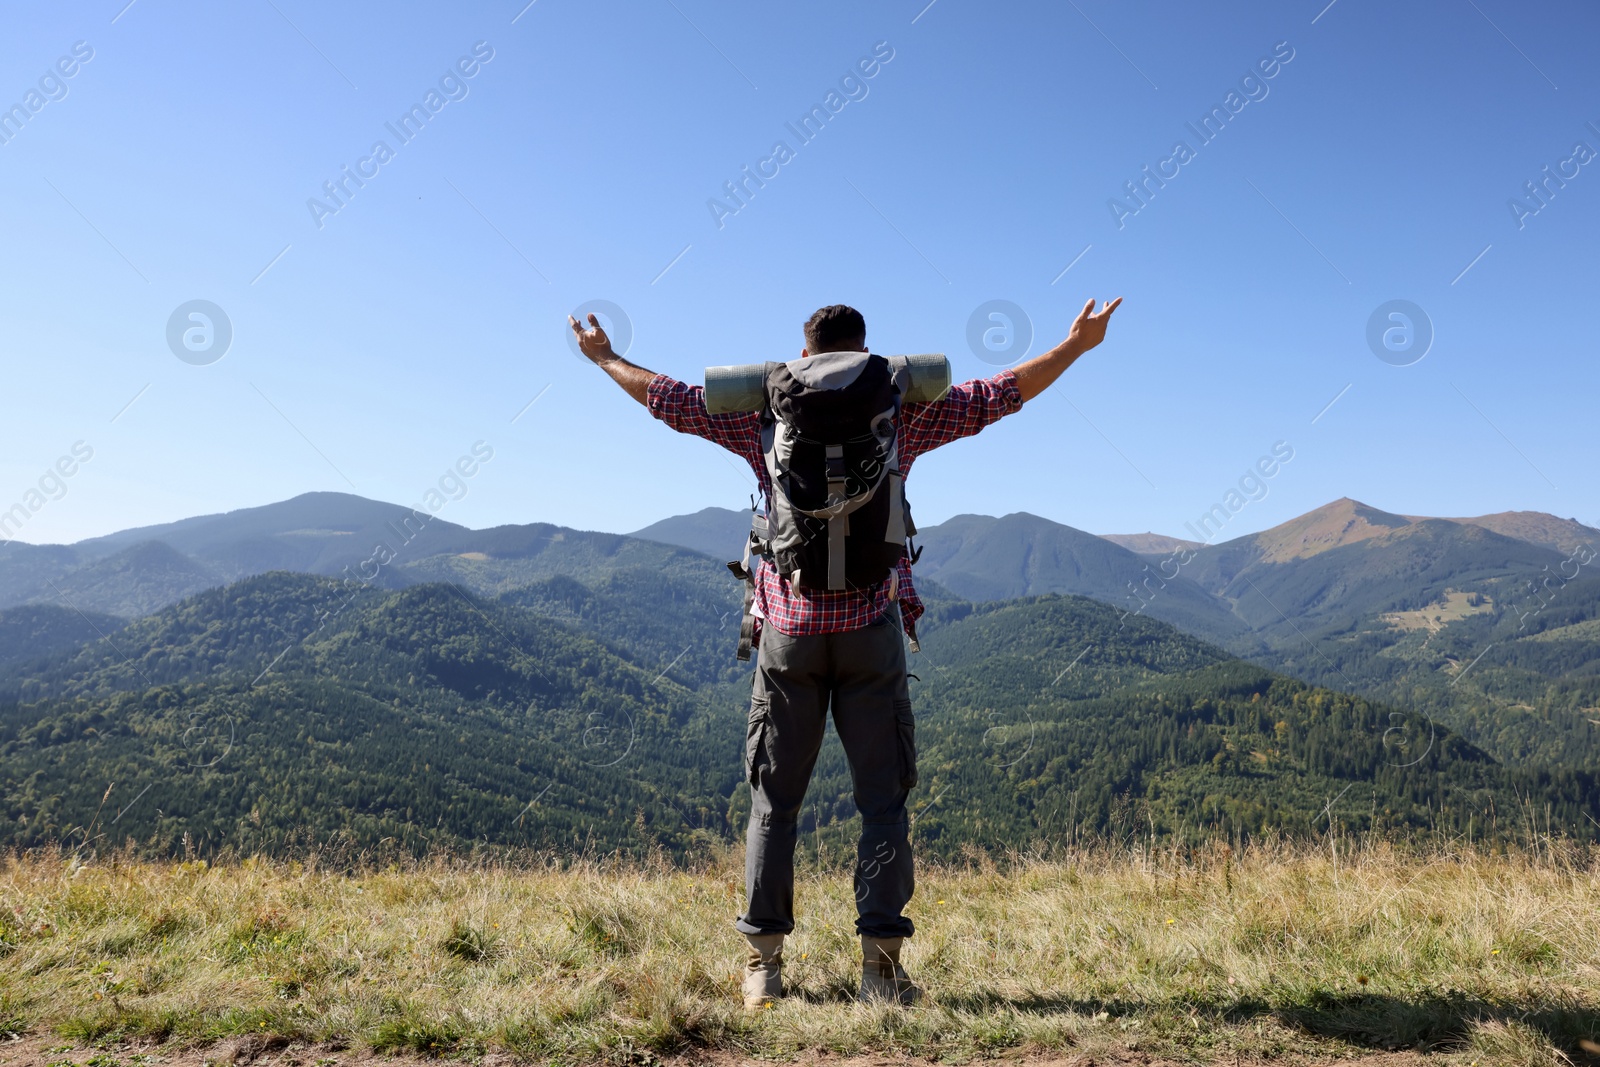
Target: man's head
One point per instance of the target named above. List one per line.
(835, 328)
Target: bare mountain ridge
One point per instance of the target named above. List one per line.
(1536, 527)
(132, 573)
(1346, 521)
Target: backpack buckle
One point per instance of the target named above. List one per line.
(835, 463)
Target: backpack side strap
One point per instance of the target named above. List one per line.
(742, 570)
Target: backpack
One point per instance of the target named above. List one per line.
(837, 516)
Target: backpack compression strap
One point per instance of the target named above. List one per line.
(838, 525)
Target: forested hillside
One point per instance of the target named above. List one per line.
(283, 710)
(289, 709)
(39, 631)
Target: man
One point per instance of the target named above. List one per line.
(836, 647)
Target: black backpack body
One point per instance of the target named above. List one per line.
(837, 517)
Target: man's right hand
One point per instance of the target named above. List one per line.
(1089, 328)
(593, 342)
(596, 346)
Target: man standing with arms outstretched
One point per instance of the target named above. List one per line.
(836, 648)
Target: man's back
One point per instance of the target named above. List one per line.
(963, 411)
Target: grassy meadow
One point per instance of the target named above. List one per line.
(1203, 957)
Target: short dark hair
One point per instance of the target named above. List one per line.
(835, 327)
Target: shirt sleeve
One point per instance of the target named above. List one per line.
(911, 608)
(683, 408)
(962, 412)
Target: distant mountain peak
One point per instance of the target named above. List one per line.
(1341, 522)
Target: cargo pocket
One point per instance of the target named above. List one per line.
(755, 734)
(906, 726)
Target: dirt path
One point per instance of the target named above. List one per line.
(37, 1051)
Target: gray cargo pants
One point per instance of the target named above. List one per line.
(862, 674)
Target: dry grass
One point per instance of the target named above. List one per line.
(1489, 959)
(1452, 607)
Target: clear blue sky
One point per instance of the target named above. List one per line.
(176, 164)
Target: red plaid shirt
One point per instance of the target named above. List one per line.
(962, 412)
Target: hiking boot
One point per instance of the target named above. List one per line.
(883, 980)
(763, 971)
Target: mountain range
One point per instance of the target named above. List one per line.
(394, 678)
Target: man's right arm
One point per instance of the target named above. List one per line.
(596, 346)
(682, 407)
